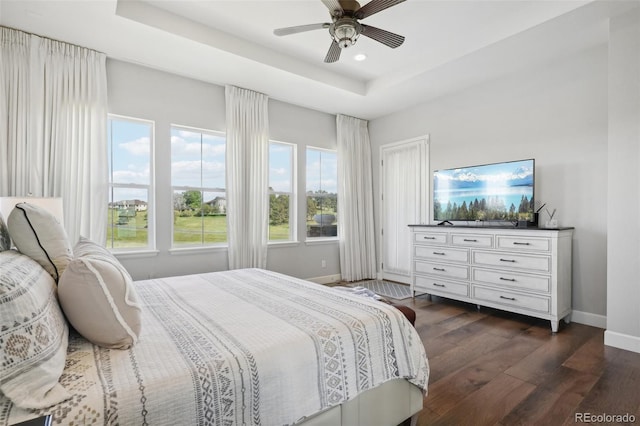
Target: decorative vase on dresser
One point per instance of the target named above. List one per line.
(526, 271)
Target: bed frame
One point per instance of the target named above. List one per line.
(388, 404)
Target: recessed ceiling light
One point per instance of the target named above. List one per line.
(360, 57)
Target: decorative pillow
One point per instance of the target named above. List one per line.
(97, 296)
(33, 334)
(86, 247)
(38, 234)
(5, 240)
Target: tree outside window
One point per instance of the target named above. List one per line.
(281, 191)
(322, 193)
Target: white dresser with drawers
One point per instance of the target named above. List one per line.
(527, 271)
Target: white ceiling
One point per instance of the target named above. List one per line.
(450, 44)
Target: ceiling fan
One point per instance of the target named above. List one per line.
(345, 28)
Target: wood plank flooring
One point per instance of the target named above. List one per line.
(490, 367)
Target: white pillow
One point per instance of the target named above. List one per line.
(98, 297)
(38, 234)
(33, 332)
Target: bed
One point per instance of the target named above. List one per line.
(246, 346)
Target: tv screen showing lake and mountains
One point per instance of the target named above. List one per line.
(489, 192)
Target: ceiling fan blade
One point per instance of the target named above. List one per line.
(300, 29)
(334, 7)
(375, 6)
(392, 40)
(334, 53)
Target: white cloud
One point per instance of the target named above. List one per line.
(182, 147)
(140, 146)
(280, 171)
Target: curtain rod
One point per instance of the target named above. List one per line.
(52, 39)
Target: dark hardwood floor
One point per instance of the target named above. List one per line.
(490, 367)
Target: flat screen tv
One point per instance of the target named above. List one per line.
(489, 192)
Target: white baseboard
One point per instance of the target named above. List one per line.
(588, 318)
(327, 279)
(622, 341)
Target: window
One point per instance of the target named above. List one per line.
(130, 184)
(322, 193)
(281, 193)
(198, 185)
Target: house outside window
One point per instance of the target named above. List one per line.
(130, 222)
(281, 191)
(322, 193)
(198, 187)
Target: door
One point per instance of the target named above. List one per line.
(404, 200)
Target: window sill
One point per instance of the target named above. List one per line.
(283, 244)
(178, 251)
(318, 241)
(133, 254)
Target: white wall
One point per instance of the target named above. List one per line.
(167, 99)
(555, 113)
(623, 272)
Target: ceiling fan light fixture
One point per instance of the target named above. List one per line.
(345, 32)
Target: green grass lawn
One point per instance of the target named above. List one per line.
(132, 232)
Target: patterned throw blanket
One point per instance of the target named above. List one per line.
(237, 347)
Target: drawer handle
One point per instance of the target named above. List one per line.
(469, 240)
(429, 238)
(508, 260)
(439, 269)
(439, 253)
(508, 279)
(521, 244)
(508, 298)
(439, 285)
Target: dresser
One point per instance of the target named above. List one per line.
(527, 271)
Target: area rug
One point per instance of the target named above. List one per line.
(386, 288)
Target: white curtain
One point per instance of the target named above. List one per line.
(355, 200)
(247, 159)
(53, 128)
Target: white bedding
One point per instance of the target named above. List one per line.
(237, 347)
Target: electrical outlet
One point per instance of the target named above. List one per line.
(324, 263)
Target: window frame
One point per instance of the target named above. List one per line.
(321, 237)
(293, 210)
(173, 188)
(150, 187)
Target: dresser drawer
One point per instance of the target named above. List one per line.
(509, 260)
(468, 240)
(436, 285)
(442, 270)
(511, 299)
(539, 283)
(510, 242)
(430, 237)
(443, 254)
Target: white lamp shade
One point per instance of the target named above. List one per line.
(52, 204)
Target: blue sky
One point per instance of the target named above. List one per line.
(130, 143)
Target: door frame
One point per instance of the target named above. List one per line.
(424, 202)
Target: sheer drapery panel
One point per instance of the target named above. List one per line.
(247, 177)
(355, 197)
(53, 127)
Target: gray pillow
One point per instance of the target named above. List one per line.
(38, 234)
(33, 332)
(98, 297)
(5, 240)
